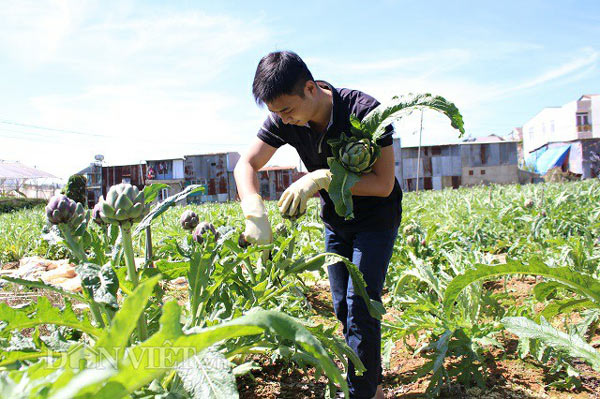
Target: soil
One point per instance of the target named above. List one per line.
(508, 376)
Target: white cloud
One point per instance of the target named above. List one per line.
(143, 82)
(585, 61)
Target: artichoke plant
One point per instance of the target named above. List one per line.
(356, 153)
(97, 214)
(125, 205)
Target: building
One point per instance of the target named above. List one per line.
(454, 165)
(273, 180)
(435, 167)
(134, 174)
(579, 157)
(213, 171)
(517, 135)
(576, 120)
(567, 137)
(489, 162)
(93, 180)
(169, 172)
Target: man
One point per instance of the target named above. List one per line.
(306, 113)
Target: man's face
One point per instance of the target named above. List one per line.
(293, 109)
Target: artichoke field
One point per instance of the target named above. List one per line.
(451, 303)
(232, 310)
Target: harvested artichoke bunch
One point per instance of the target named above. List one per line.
(355, 154)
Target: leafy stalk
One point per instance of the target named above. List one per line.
(72, 243)
(355, 154)
(133, 276)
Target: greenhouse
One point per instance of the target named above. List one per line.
(17, 179)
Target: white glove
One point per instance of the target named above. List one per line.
(258, 228)
(294, 199)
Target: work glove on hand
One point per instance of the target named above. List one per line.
(293, 201)
(258, 228)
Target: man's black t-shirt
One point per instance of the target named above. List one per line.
(370, 213)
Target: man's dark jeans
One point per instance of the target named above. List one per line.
(371, 252)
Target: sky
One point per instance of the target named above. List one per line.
(136, 80)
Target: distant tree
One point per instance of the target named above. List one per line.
(76, 189)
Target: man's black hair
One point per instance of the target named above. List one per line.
(279, 72)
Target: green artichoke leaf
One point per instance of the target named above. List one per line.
(339, 188)
(111, 196)
(151, 191)
(376, 120)
(160, 208)
(339, 143)
(356, 127)
(101, 283)
(123, 203)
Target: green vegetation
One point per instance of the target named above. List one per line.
(76, 189)
(10, 204)
(446, 294)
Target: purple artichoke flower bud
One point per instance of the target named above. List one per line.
(189, 220)
(281, 230)
(60, 209)
(411, 240)
(97, 214)
(201, 229)
(242, 243)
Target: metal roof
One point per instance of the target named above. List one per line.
(16, 170)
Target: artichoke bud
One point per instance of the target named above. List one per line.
(124, 204)
(97, 213)
(281, 230)
(203, 228)
(60, 209)
(357, 155)
(411, 240)
(189, 220)
(78, 222)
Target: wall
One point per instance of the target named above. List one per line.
(272, 183)
(565, 124)
(167, 169)
(501, 174)
(489, 163)
(438, 167)
(178, 167)
(589, 169)
(112, 175)
(214, 171)
(595, 116)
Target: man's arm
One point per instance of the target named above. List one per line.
(377, 183)
(258, 228)
(380, 181)
(246, 168)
